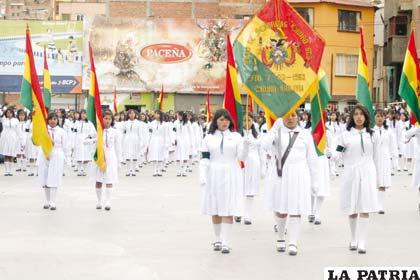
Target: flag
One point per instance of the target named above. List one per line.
(115, 100)
(270, 120)
(47, 83)
(410, 78)
(232, 99)
(250, 104)
(94, 114)
(160, 100)
(278, 55)
(319, 102)
(208, 106)
(31, 98)
(363, 82)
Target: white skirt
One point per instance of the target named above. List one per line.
(31, 149)
(131, 147)
(324, 177)
(110, 176)
(156, 149)
(9, 143)
(409, 149)
(252, 174)
(51, 171)
(358, 190)
(82, 151)
(223, 194)
(291, 193)
(183, 150)
(383, 171)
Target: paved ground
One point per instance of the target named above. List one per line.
(155, 231)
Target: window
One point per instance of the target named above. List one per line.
(79, 17)
(65, 16)
(348, 20)
(346, 65)
(398, 25)
(307, 14)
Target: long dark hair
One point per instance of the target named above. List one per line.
(407, 119)
(220, 113)
(22, 112)
(254, 132)
(9, 110)
(184, 117)
(308, 122)
(337, 119)
(382, 113)
(367, 122)
(80, 115)
(108, 112)
(161, 116)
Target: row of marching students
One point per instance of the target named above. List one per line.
(296, 178)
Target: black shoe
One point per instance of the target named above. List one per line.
(225, 249)
(281, 246)
(317, 222)
(381, 212)
(352, 247)
(53, 208)
(276, 230)
(18, 170)
(107, 208)
(217, 246)
(31, 174)
(238, 219)
(311, 218)
(247, 222)
(46, 206)
(98, 207)
(292, 250)
(361, 251)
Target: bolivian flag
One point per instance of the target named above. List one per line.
(31, 98)
(410, 78)
(232, 99)
(278, 55)
(319, 102)
(363, 82)
(160, 99)
(47, 83)
(94, 114)
(208, 109)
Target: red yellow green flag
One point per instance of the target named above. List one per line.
(160, 100)
(319, 102)
(363, 82)
(94, 114)
(278, 55)
(208, 110)
(232, 99)
(410, 78)
(47, 91)
(31, 98)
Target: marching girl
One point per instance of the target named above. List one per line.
(393, 125)
(113, 156)
(221, 177)
(183, 142)
(385, 150)
(359, 196)
(252, 169)
(9, 140)
(197, 137)
(22, 133)
(296, 180)
(167, 126)
(409, 147)
(144, 134)
(334, 128)
(132, 142)
(172, 136)
(51, 170)
(72, 138)
(159, 141)
(83, 152)
(31, 149)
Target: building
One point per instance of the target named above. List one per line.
(25, 9)
(78, 10)
(380, 95)
(398, 16)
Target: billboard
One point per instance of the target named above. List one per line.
(183, 55)
(64, 44)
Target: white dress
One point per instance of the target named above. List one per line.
(83, 150)
(51, 171)
(31, 149)
(112, 150)
(386, 149)
(409, 149)
(358, 190)
(415, 132)
(132, 140)
(221, 175)
(252, 169)
(23, 134)
(144, 140)
(9, 137)
(291, 193)
(159, 141)
(184, 140)
(197, 137)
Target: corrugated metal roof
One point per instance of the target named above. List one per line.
(360, 3)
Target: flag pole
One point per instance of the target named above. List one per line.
(247, 111)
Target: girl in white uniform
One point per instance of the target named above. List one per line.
(359, 195)
(31, 149)
(22, 133)
(83, 151)
(51, 170)
(221, 177)
(197, 137)
(159, 141)
(144, 135)
(392, 123)
(297, 170)
(409, 146)
(72, 139)
(252, 167)
(183, 142)
(9, 140)
(335, 130)
(386, 149)
(112, 150)
(132, 142)
(415, 132)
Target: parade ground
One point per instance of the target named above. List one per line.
(155, 231)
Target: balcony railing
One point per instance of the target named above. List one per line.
(394, 50)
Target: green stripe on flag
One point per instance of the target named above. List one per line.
(409, 95)
(363, 96)
(26, 95)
